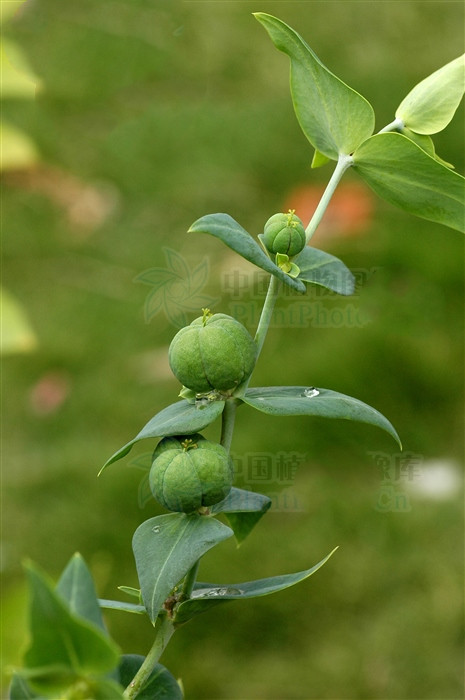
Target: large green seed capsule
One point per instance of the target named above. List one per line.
(189, 472)
(215, 352)
(284, 233)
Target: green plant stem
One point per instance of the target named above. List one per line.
(393, 126)
(263, 324)
(189, 581)
(164, 629)
(344, 162)
(267, 312)
(227, 423)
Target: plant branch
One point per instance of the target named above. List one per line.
(227, 423)
(267, 312)
(393, 126)
(164, 629)
(344, 162)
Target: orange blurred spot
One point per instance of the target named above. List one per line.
(49, 393)
(349, 214)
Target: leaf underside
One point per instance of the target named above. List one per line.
(401, 172)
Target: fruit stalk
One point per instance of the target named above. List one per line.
(344, 162)
(164, 630)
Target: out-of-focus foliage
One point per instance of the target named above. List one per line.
(149, 115)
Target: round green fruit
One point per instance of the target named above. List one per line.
(284, 233)
(189, 472)
(215, 352)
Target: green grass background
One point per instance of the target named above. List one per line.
(173, 110)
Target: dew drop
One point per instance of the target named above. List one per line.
(310, 392)
(156, 529)
(218, 592)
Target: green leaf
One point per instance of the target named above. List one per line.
(242, 501)
(19, 689)
(333, 116)
(62, 645)
(104, 689)
(319, 160)
(426, 143)
(243, 510)
(130, 590)
(166, 547)
(225, 228)
(160, 685)
(208, 595)
(312, 401)
(181, 418)
(430, 106)
(76, 586)
(122, 605)
(402, 173)
(325, 270)
(71, 686)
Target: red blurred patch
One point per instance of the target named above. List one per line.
(49, 393)
(349, 214)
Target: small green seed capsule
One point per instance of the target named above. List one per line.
(284, 233)
(189, 472)
(215, 352)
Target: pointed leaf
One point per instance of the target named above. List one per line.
(243, 523)
(242, 501)
(325, 270)
(181, 418)
(76, 586)
(160, 685)
(166, 547)
(207, 595)
(225, 228)
(62, 645)
(243, 510)
(122, 605)
(402, 173)
(430, 106)
(312, 401)
(333, 116)
(130, 590)
(426, 143)
(319, 160)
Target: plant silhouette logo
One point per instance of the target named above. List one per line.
(176, 289)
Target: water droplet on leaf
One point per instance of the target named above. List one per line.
(156, 529)
(310, 392)
(218, 592)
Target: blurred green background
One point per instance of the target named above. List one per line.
(149, 114)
